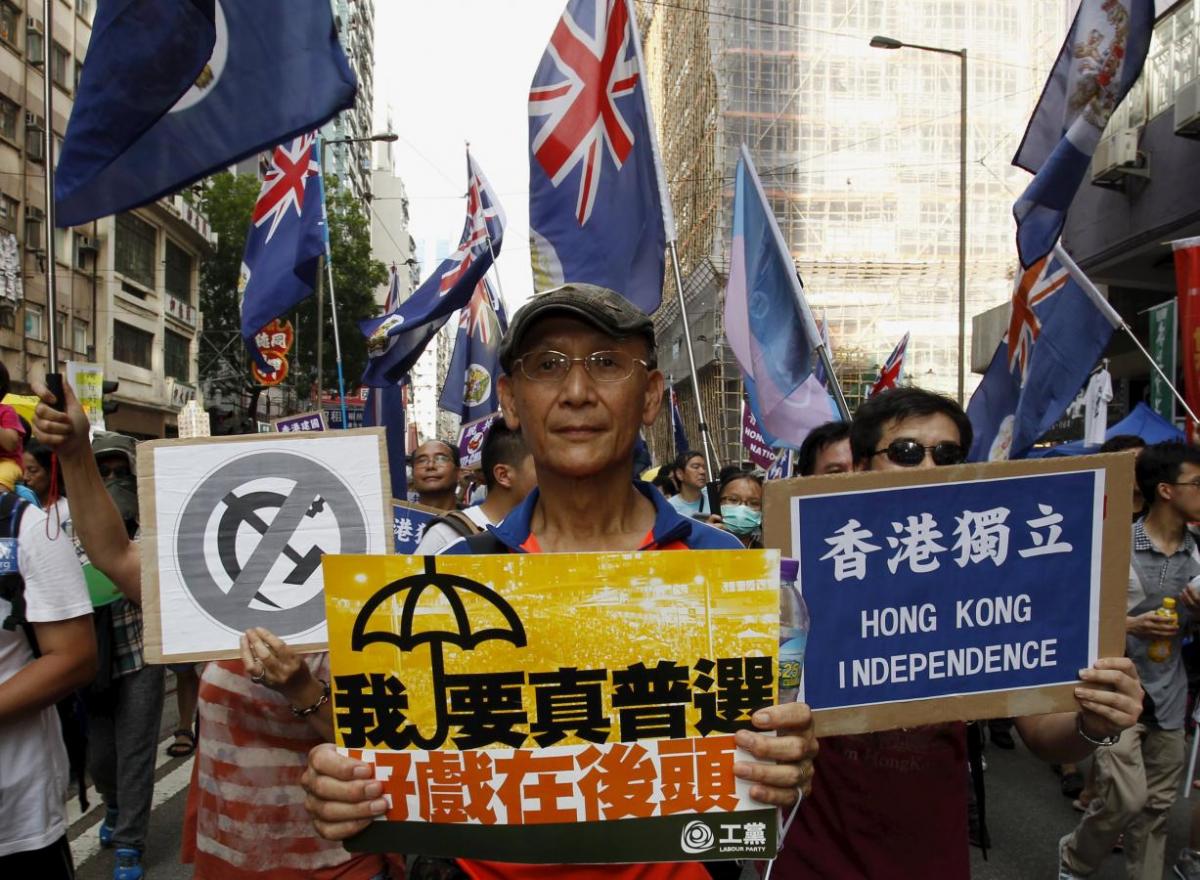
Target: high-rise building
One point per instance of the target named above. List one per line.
(127, 286)
(355, 23)
(391, 242)
(858, 151)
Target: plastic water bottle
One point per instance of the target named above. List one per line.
(1160, 649)
(793, 631)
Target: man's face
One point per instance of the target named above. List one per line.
(694, 474)
(433, 468)
(928, 431)
(834, 458)
(578, 426)
(1185, 494)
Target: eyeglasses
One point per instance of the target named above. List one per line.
(1195, 484)
(752, 503)
(554, 366)
(909, 453)
(439, 458)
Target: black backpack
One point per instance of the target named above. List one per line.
(72, 714)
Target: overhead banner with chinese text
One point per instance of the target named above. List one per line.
(1187, 290)
(974, 591)
(560, 707)
(1164, 339)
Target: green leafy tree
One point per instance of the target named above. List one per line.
(228, 202)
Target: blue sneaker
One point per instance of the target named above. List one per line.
(129, 865)
(107, 824)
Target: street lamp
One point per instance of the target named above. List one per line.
(386, 137)
(879, 42)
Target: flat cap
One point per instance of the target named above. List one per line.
(604, 309)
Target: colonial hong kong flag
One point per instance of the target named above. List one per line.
(286, 240)
(892, 369)
(1098, 63)
(1060, 326)
(385, 407)
(598, 209)
(768, 322)
(396, 339)
(174, 91)
(470, 389)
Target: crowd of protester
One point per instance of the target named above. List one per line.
(271, 799)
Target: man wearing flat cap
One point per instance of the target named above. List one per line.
(580, 380)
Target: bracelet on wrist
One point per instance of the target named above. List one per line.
(321, 701)
(1105, 742)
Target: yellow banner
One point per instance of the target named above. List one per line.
(523, 690)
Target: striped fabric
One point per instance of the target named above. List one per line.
(245, 813)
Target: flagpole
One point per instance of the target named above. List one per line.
(337, 342)
(838, 396)
(711, 460)
(53, 378)
(1117, 321)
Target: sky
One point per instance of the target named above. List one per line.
(451, 72)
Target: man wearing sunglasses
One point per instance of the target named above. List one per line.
(894, 804)
(580, 380)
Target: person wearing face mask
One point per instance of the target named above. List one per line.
(125, 702)
(741, 507)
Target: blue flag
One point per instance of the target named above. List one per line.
(286, 240)
(1059, 328)
(138, 131)
(768, 322)
(470, 389)
(385, 409)
(396, 339)
(677, 427)
(1100, 60)
(597, 206)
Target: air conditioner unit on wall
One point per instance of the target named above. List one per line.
(1116, 158)
(1187, 110)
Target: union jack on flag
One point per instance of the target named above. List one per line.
(583, 115)
(284, 182)
(597, 205)
(483, 230)
(1059, 328)
(1034, 286)
(286, 239)
(892, 369)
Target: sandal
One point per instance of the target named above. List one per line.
(179, 749)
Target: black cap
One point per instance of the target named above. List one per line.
(604, 309)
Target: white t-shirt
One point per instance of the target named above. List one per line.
(443, 535)
(689, 508)
(1095, 408)
(34, 773)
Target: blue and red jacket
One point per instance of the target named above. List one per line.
(671, 530)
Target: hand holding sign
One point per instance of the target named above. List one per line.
(793, 749)
(1114, 700)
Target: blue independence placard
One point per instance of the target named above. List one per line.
(957, 588)
(408, 526)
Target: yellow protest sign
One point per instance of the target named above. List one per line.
(504, 697)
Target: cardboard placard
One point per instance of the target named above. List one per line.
(234, 528)
(956, 593)
(409, 522)
(559, 707)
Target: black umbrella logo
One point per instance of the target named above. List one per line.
(451, 587)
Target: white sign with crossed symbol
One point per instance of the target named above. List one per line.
(234, 530)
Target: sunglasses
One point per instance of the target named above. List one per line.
(909, 453)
